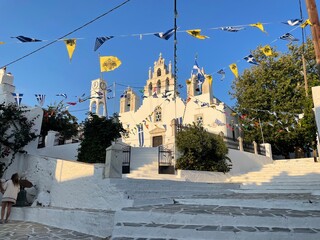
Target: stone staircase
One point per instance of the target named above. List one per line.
(144, 165)
(273, 203)
(297, 175)
(154, 192)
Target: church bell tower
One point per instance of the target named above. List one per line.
(98, 98)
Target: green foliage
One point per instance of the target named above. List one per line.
(274, 92)
(15, 131)
(98, 133)
(201, 150)
(57, 118)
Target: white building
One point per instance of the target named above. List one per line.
(9, 96)
(152, 123)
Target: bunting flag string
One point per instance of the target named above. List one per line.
(40, 98)
(109, 65)
(18, 98)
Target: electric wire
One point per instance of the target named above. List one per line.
(62, 37)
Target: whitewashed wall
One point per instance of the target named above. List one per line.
(242, 162)
(69, 184)
(66, 151)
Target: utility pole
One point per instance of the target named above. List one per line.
(315, 29)
(175, 70)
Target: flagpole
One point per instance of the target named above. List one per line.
(104, 92)
(114, 96)
(175, 78)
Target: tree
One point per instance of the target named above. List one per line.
(58, 118)
(271, 97)
(98, 133)
(15, 131)
(201, 150)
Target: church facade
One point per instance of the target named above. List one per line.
(152, 123)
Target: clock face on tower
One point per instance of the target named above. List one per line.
(102, 85)
(95, 85)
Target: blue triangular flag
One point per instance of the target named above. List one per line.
(223, 73)
(165, 35)
(27, 39)
(62, 95)
(251, 59)
(288, 37)
(40, 99)
(100, 41)
(17, 97)
(232, 29)
(293, 22)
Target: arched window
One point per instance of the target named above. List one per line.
(158, 114)
(158, 86)
(150, 89)
(93, 107)
(167, 84)
(101, 109)
(158, 72)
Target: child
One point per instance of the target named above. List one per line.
(11, 189)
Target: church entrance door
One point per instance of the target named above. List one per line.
(156, 141)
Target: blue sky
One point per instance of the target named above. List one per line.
(50, 72)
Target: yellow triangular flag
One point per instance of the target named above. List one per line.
(234, 69)
(266, 50)
(306, 23)
(258, 25)
(197, 34)
(109, 63)
(71, 46)
(209, 77)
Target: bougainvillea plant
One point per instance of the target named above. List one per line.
(15, 132)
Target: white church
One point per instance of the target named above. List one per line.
(152, 122)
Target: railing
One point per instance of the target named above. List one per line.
(165, 162)
(247, 147)
(126, 159)
(164, 156)
(231, 143)
(261, 150)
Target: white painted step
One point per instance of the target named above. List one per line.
(81, 220)
(197, 225)
(311, 187)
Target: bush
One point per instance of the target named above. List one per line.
(201, 150)
(98, 133)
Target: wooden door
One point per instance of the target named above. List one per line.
(156, 141)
